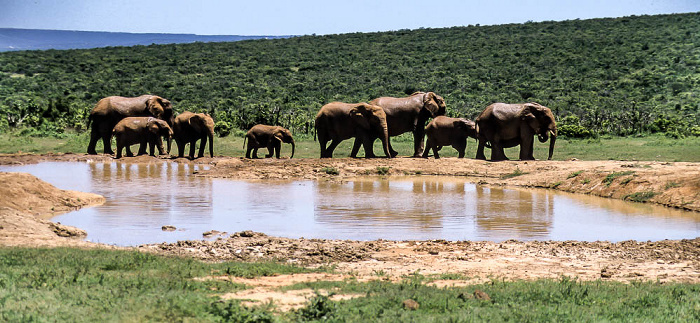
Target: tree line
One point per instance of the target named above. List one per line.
(621, 76)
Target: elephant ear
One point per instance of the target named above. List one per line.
(431, 103)
(359, 115)
(196, 122)
(152, 125)
(279, 134)
(528, 112)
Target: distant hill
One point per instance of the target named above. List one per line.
(12, 39)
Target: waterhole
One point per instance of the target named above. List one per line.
(142, 198)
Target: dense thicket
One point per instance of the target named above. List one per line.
(616, 76)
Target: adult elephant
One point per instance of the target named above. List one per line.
(112, 109)
(410, 114)
(337, 121)
(190, 127)
(140, 130)
(272, 137)
(508, 125)
(446, 131)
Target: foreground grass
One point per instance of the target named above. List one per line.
(75, 285)
(648, 148)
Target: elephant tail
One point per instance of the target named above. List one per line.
(89, 119)
(244, 139)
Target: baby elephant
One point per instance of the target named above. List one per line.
(192, 127)
(141, 130)
(271, 137)
(446, 131)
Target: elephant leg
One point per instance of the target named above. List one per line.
(278, 147)
(128, 151)
(369, 151)
(193, 146)
(120, 146)
(270, 150)
(526, 148)
(202, 145)
(180, 149)
(143, 144)
(247, 151)
(255, 153)
(159, 144)
(418, 136)
(480, 149)
(497, 153)
(107, 142)
(94, 137)
(331, 148)
(356, 148)
(152, 148)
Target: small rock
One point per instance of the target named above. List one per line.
(433, 252)
(410, 304)
(168, 228)
(481, 295)
(605, 273)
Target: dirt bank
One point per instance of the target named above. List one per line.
(671, 184)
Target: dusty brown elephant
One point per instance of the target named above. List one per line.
(337, 121)
(446, 131)
(272, 137)
(190, 127)
(508, 125)
(140, 130)
(410, 114)
(110, 110)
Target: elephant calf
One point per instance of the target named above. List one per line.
(445, 131)
(140, 130)
(271, 137)
(190, 127)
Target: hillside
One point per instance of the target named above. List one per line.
(610, 76)
(12, 39)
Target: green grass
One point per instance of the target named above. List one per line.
(515, 173)
(74, 285)
(649, 148)
(640, 196)
(612, 176)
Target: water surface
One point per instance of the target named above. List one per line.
(141, 198)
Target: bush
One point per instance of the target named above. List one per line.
(570, 127)
(222, 128)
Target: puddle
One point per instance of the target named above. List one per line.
(141, 198)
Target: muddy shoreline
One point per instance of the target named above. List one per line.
(670, 184)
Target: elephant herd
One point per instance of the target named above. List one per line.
(148, 118)
(145, 120)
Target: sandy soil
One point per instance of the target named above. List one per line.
(26, 203)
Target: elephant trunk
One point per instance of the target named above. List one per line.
(385, 139)
(170, 140)
(292, 156)
(211, 143)
(551, 143)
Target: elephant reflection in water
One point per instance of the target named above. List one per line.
(526, 214)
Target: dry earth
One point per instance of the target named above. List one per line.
(26, 203)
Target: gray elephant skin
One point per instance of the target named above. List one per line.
(410, 114)
(507, 125)
(140, 130)
(337, 121)
(446, 131)
(189, 128)
(110, 110)
(270, 137)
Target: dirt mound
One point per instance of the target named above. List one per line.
(26, 203)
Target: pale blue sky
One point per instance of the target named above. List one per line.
(304, 17)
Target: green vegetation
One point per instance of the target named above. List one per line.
(574, 174)
(623, 76)
(383, 170)
(73, 285)
(612, 176)
(76, 285)
(515, 173)
(330, 170)
(640, 196)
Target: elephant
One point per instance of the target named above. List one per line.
(272, 137)
(507, 125)
(110, 110)
(140, 130)
(410, 114)
(190, 127)
(337, 121)
(446, 131)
